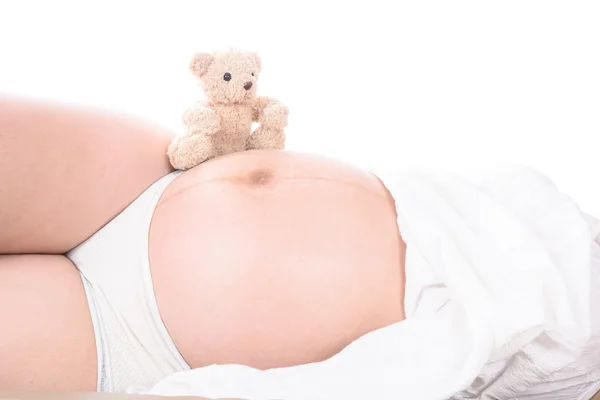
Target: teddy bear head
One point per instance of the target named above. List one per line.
(227, 77)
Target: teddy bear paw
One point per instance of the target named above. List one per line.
(276, 116)
(186, 152)
(266, 137)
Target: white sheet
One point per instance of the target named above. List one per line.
(498, 300)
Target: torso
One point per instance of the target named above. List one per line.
(259, 258)
(271, 259)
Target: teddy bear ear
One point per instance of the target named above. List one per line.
(200, 63)
(257, 61)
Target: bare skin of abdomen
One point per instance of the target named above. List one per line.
(271, 259)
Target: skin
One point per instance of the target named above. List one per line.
(316, 260)
(47, 338)
(60, 163)
(313, 257)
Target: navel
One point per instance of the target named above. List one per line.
(260, 177)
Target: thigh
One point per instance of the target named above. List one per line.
(271, 259)
(46, 336)
(65, 172)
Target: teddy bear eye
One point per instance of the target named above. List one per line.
(227, 76)
(253, 74)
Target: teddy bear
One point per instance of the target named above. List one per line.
(223, 123)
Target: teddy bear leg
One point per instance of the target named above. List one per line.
(266, 137)
(186, 152)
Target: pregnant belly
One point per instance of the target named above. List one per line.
(272, 259)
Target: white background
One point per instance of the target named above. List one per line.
(446, 83)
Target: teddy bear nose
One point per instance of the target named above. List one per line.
(247, 85)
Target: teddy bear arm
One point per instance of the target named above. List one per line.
(275, 114)
(258, 109)
(201, 119)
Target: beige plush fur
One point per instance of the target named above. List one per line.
(223, 124)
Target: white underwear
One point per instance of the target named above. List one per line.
(134, 348)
